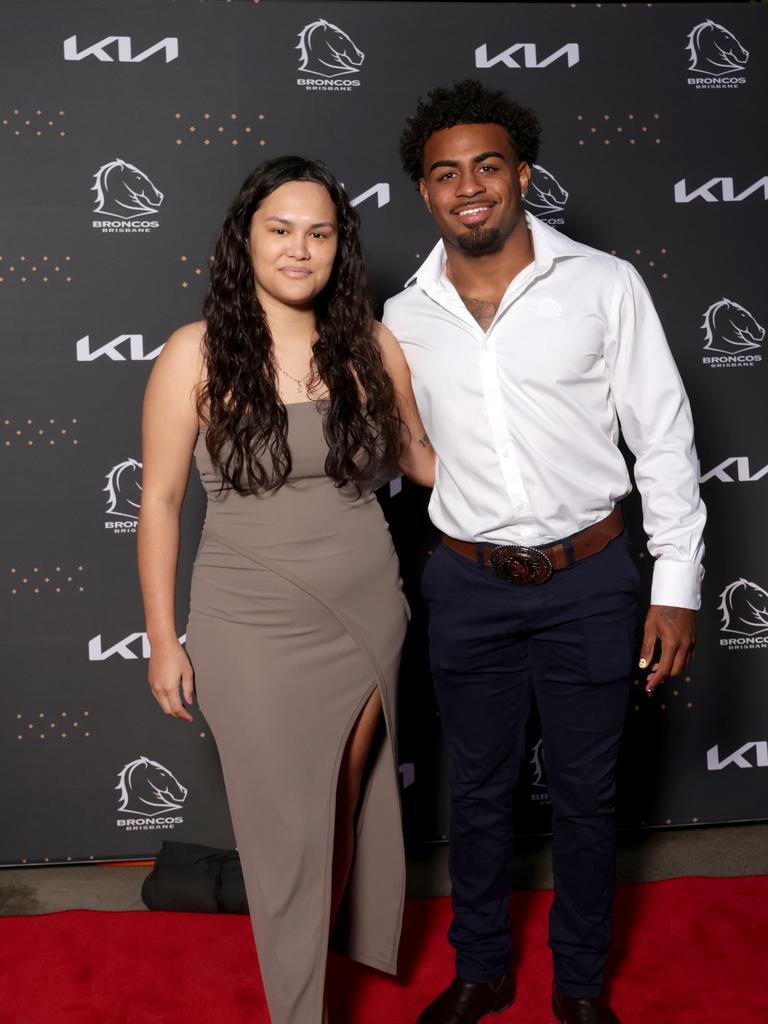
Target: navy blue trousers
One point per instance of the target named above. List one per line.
(494, 644)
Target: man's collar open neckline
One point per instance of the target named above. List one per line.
(548, 245)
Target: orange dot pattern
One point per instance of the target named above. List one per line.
(210, 129)
(40, 433)
(30, 270)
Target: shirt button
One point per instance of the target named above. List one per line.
(520, 508)
(505, 453)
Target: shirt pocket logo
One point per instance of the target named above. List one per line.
(548, 309)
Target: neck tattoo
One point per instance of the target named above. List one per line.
(482, 310)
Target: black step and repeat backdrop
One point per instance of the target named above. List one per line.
(127, 127)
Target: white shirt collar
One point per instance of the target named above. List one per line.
(548, 245)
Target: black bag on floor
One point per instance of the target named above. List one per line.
(200, 879)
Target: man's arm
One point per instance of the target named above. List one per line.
(656, 422)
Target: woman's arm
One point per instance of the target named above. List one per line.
(169, 427)
(417, 460)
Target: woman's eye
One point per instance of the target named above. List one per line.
(318, 234)
(279, 231)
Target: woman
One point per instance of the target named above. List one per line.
(292, 399)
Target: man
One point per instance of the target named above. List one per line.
(527, 349)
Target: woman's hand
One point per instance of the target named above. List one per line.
(170, 673)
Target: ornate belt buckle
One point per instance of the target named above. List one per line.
(518, 564)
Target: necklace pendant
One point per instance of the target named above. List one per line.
(298, 387)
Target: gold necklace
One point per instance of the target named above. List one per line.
(300, 382)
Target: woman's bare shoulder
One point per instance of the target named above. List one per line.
(184, 349)
(188, 339)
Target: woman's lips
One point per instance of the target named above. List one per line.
(295, 272)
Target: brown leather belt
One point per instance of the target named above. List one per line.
(519, 564)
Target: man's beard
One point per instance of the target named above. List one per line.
(480, 241)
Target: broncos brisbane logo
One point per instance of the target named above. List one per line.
(537, 763)
(730, 328)
(149, 789)
(124, 191)
(124, 489)
(744, 607)
(545, 193)
(713, 50)
(327, 51)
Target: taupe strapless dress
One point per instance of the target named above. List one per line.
(297, 614)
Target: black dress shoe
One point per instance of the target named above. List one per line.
(580, 1009)
(465, 1002)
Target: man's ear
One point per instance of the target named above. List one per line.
(524, 176)
(424, 193)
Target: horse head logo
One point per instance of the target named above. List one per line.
(149, 789)
(744, 607)
(124, 191)
(327, 51)
(545, 193)
(713, 50)
(730, 328)
(124, 489)
(537, 763)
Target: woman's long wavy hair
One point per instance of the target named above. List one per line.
(247, 436)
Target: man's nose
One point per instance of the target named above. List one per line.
(469, 185)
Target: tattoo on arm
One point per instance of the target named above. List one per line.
(424, 441)
(482, 310)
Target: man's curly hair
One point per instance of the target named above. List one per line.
(467, 102)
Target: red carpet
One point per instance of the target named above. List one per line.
(689, 950)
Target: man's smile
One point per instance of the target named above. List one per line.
(474, 213)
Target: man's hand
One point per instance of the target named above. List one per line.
(675, 629)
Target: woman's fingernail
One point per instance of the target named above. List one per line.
(649, 692)
(643, 663)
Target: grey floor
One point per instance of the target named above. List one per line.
(643, 857)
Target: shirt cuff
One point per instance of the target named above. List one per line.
(677, 584)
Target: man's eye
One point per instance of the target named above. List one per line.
(446, 176)
(488, 167)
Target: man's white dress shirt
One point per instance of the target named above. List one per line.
(525, 416)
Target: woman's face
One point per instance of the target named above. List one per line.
(293, 239)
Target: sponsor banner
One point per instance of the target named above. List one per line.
(133, 172)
